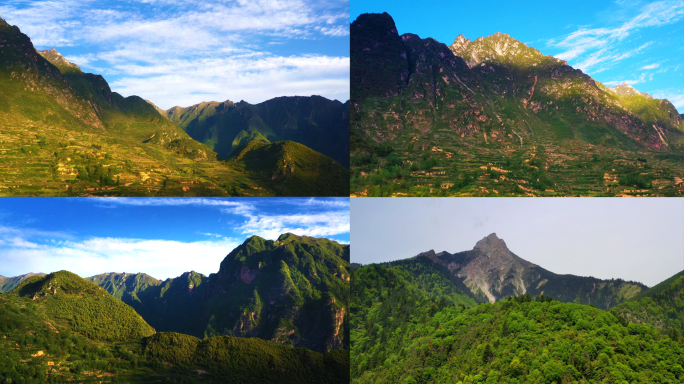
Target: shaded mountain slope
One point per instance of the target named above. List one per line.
(661, 306)
(496, 117)
(291, 169)
(9, 283)
(316, 122)
(293, 291)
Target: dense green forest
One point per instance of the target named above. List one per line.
(61, 327)
(412, 326)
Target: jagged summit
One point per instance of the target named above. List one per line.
(625, 89)
(59, 61)
(490, 244)
(499, 48)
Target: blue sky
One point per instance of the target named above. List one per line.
(633, 239)
(162, 237)
(638, 42)
(182, 52)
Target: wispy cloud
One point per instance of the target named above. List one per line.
(180, 52)
(593, 46)
(639, 80)
(651, 66)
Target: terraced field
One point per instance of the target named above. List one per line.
(455, 166)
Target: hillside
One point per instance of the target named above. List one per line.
(661, 306)
(61, 328)
(9, 283)
(291, 169)
(494, 117)
(65, 133)
(316, 122)
(293, 291)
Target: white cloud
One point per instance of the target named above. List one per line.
(651, 66)
(187, 52)
(641, 79)
(315, 225)
(159, 258)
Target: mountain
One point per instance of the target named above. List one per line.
(492, 273)
(495, 117)
(661, 307)
(314, 121)
(9, 283)
(66, 133)
(291, 169)
(292, 291)
(60, 327)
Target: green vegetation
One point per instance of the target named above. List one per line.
(405, 332)
(38, 348)
(9, 283)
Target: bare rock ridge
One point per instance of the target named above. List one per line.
(492, 272)
(59, 61)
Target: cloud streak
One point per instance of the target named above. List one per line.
(182, 53)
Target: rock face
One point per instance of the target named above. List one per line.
(492, 272)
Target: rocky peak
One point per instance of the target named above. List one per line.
(625, 89)
(459, 45)
(490, 243)
(56, 59)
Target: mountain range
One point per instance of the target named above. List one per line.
(487, 315)
(496, 117)
(276, 310)
(66, 133)
(318, 123)
(60, 327)
(293, 291)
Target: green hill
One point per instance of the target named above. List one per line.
(291, 169)
(316, 122)
(86, 307)
(661, 307)
(66, 133)
(495, 117)
(60, 328)
(293, 291)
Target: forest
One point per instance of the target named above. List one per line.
(410, 324)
